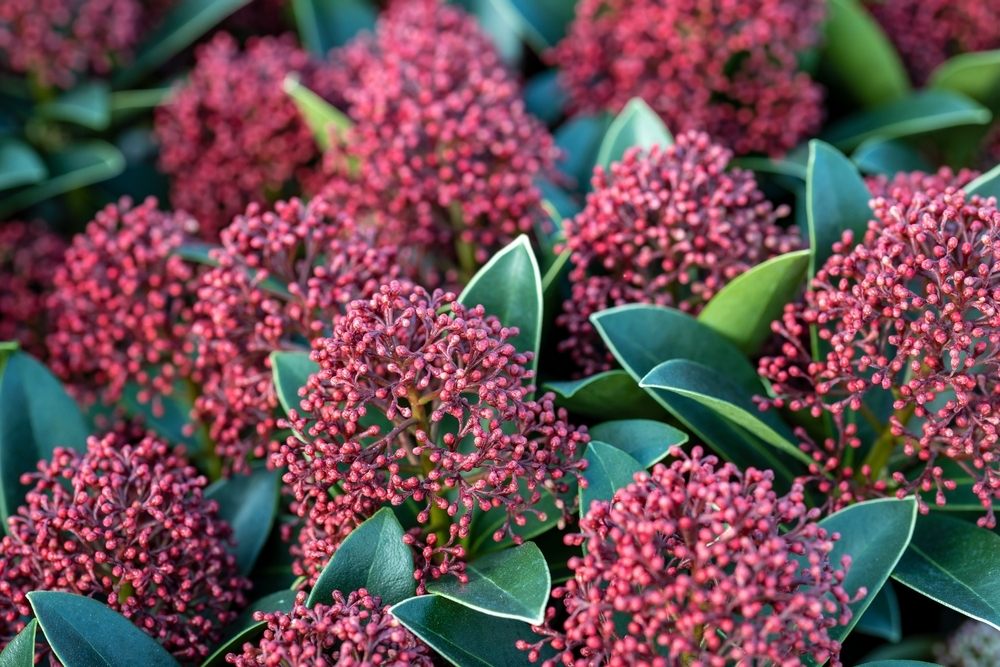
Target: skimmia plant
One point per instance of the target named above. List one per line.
(499, 333)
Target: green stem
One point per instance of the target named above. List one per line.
(439, 519)
(880, 452)
(125, 592)
(464, 250)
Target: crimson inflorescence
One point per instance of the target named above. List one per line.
(442, 138)
(119, 311)
(706, 566)
(230, 135)
(355, 630)
(283, 276)
(904, 184)
(413, 402)
(909, 317)
(670, 226)
(928, 32)
(722, 67)
(125, 523)
(29, 255)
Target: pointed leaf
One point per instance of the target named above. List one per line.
(326, 24)
(324, 119)
(608, 469)
(36, 416)
(919, 113)
(85, 633)
(20, 652)
(580, 138)
(541, 23)
(499, 26)
(976, 75)
(509, 286)
(636, 125)
(486, 524)
(986, 185)
(876, 156)
(20, 165)
(465, 637)
(291, 371)
(245, 628)
(248, 503)
(648, 442)
(88, 105)
(608, 395)
(513, 583)
(882, 618)
(960, 572)
(544, 96)
(373, 556)
(744, 309)
(836, 201)
(861, 56)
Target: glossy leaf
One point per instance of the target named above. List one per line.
(36, 416)
(609, 395)
(486, 524)
(513, 583)
(725, 398)
(88, 105)
(916, 114)
(183, 25)
(876, 156)
(646, 441)
(169, 416)
(248, 503)
(86, 633)
(544, 96)
(326, 24)
(291, 371)
(373, 556)
(763, 165)
(882, 619)
(20, 164)
(509, 286)
(636, 125)
(961, 571)
(608, 469)
(861, 56)
(986, 185)
(836, 201)
(498, 25)
(20, 652)
(976, 75)
(744, 309)
(78, 166)
(541, 23)
(874, 534)
(897, 663)
(245, 628)
(580, 138)
(324, 119)
(465, 637)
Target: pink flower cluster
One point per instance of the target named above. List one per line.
(722, 67)
(442, 138)
(230, 135)
(118, 311)
(29, 255)
(928, 32)
(354, 631)
(412, 402)
(911, 310)
(125, 523)
(670, 227)
(904, 184)
(58, 41)
(283, 276)
(707, 567)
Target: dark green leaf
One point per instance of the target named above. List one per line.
(609, 395)
(987, 185)
(197, 252)
(580, 139)
(608, 469)
(646, 441)
(876, 156)
(79, 165)
(20, 652)
(373, 556)
(245, 629)
(326, 24)
(956, 563)
(324, 119)
(763, 165)
(976, 75)
(20, 165)
(291, 371)
(544, 96)
(743, 311)
(874, 534)
(186, 22)
(486, 524)
(836, 201)
(506, 36)
(914, 647)
(919, 113)
(541, 23)
(557, 200)
(36, 416)
(861, 56)
(248, 503)
(85, 633)
(465, 637)
(898, 663)
(636, 125)
(509, 286)
(124, 101)
(513, 583)
(882, 618)
(169, 415)
(88, 105)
